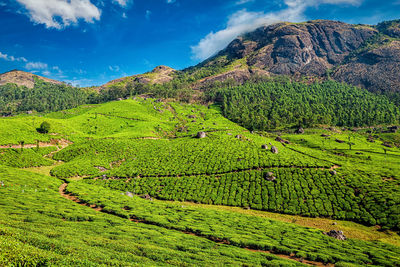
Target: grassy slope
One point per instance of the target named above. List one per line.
(42, 228)
(113, 127)
(240, 230)
(129, 118)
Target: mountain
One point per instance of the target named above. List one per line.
(22, 78)
(362, 55)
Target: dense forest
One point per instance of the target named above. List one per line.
(258, 104)
(43, 97)
(267, 105)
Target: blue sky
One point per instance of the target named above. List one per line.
(90, 42)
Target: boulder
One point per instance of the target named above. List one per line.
(129, 194)
(333, 172)
(269, 176)
(336, 234)
(300, 130)
(339, 141)
(147, 197)
(279, 139)
(274, 149)
(238, 136)
(264, 147)
(201, 135)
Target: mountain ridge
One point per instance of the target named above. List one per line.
(355, 54)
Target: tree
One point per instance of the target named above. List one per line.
(44, 127)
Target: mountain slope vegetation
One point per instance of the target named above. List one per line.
(273, 104)
(199, 167)
(125, 161)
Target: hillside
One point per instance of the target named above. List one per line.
(361, 55)
(159, 75)
(22, 78)
(127, 182)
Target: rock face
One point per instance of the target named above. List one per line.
(377, 69)
(22, 78)
(309, 48)
(361, 55)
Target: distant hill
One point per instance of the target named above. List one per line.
(158, 75)
(22, 78)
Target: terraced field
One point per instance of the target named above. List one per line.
(148, 148)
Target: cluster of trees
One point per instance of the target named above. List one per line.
(178, 89)
(44, 97)
(271, 104)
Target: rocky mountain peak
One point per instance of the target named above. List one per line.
(362, 55)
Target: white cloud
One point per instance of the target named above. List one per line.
(123, 3)
(46, 73)
(242, 2)
(114, 68)
(60, 13)
(244, 21)
(336, 2)
(171, 1)
(12, 58)
(36, 66)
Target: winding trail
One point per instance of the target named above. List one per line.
(63, 192)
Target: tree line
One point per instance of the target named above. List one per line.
(274, 104)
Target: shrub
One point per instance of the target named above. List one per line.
(44, 127)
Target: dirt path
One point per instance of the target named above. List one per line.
(63, 193)
(53, 142)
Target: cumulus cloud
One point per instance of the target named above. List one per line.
(60, 13)
(36, 66)
(244, 21)
(12, 58)
(171, 1)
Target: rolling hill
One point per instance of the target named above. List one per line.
(22, 78)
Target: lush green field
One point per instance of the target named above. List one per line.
(145, 146)
(240, 230)
(220, 152)
(39, 228)
(129, 118)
